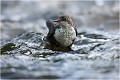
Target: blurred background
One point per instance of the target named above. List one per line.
(19, 16)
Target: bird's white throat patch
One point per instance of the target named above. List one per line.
(65, 34)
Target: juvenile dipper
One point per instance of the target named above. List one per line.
(62, 33)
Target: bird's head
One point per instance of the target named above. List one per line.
(66, 18)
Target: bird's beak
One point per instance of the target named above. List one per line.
(57, 20)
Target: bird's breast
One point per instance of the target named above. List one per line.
(65, 35)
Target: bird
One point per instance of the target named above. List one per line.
(62, 33)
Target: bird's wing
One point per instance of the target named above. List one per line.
(50, 24)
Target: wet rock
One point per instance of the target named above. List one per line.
(7, 47)
(25, 57)
(32, 44)
(109, 50)
(23, 43)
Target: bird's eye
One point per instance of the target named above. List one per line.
(63, 18)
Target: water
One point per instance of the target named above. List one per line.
(96, 49)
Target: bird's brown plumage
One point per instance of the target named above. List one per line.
(53, 25)
(67, 18)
